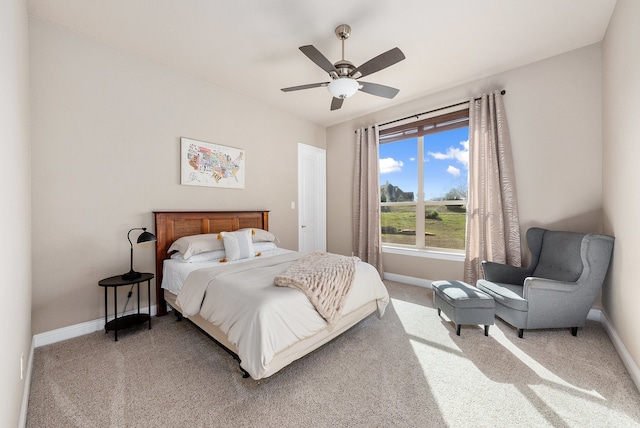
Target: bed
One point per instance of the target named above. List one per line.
(284, 326)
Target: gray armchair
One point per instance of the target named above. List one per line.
(560, 285)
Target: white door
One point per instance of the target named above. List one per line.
(312, 199)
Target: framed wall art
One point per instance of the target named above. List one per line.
(211, 165)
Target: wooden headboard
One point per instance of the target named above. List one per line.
(171, 225)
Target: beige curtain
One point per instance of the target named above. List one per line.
(493, 230)
(367, 241)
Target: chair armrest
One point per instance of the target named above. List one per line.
(536, 286)
(555, 304)
(507, 274)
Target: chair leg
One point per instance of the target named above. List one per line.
(574, 331)
(520, 332)
(438, 311)
(486, 330)
(458, 329)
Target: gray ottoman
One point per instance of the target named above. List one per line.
(464, 304)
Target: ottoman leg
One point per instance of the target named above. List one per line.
(438, 311)
(458, 329)
(486, 330)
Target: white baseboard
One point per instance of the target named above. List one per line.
(77, 330)
(594, 315)
(628, 362)
(27, 388)
(426, 283)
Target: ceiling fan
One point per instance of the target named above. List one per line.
(344, 75)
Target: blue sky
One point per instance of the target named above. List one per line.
(446, 163)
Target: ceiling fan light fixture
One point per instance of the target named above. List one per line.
(343, 87)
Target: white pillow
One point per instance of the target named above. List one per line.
(261, 235)
(260, 247)
(200, 258)
(195, 244)
(238, 245)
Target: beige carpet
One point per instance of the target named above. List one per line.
(408, 369)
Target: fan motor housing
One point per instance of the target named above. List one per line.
(344, 68)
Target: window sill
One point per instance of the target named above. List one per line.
(430, 254)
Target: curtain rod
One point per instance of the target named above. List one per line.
(417, 115)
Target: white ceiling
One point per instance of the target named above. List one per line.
(251, 46)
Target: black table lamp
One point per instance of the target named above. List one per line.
(144, 237)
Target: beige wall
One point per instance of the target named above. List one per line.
(554, 113)
(621, 147)
(15, 215)
(106, 127)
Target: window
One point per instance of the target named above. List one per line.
(423, 182)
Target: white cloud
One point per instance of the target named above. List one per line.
(460, 155)
(412, 159)
(388, 165)
(453, 171)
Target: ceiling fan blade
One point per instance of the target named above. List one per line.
(336, 103)
(309, 86)
(379, 90)
(380, 62)
(321, 61)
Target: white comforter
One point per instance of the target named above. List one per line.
(259, 318)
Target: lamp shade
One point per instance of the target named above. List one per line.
(343, 87)
(146, 237)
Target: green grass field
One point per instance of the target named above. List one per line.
(446, 231)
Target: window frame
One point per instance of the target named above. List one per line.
(418, 129)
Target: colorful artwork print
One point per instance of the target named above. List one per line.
(206, 164)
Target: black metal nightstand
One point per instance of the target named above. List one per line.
(119, 323)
